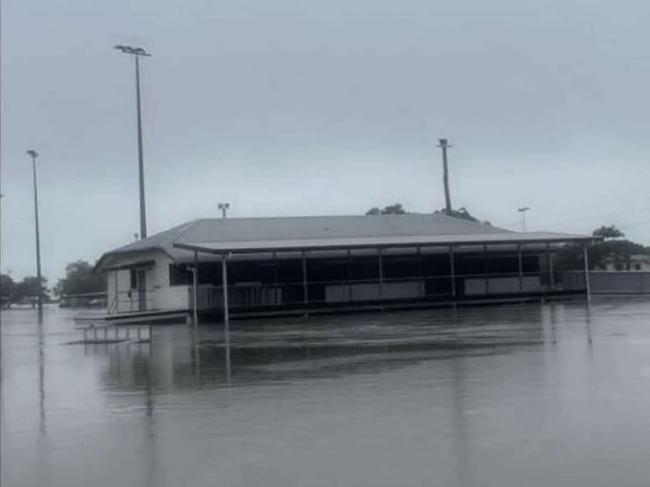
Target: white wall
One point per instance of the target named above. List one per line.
(173, 297)
(118, 282)
(160, 295)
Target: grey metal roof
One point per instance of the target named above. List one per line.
(378, 242)
(247, 234)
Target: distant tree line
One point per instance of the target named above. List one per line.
(610, 245)
(395, 209)
(80, 278)
(25, 291)
(611, 248)
(398, 209)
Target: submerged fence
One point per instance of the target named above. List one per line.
(83, 300)
(256, 295)
(608, 282)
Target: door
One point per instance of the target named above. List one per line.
(142, 289)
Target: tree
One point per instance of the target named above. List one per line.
(612, 249)
(30, 288)
(7, 290)
(398, 209)
(26, 290)
(608, 232)
(80, 278)
(617, 252)
(394, 209)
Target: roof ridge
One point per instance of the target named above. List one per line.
(185, 227)
(306, 227)
(297, 217)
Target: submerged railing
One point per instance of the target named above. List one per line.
(421, 287)
(116, 333)
(132, 301)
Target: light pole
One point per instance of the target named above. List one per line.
(136, 52)
(444, 145)
(224, 208)
(523, 211)
(33, 154)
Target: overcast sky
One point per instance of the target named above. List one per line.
(288, 107)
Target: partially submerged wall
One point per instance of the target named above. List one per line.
(605, 282)
(123, 298)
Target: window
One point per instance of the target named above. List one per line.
(179, 275)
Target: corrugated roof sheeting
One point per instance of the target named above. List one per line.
(377, 242)
(258, 234)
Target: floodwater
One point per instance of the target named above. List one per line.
(517, 395)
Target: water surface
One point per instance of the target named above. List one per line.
(516, 395)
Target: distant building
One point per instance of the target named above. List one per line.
(635, 263)
(330, 263)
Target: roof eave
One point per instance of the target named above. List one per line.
(99, 266)
(300, 248)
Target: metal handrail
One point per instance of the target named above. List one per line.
(371, 280)
(113, 307)
(216, 290)
(131, 298)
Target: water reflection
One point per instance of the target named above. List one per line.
(285, 351)
(588, 321)
(150, 435)
(41, 371)
(473, 396)
(182, 357)
(549, 317)
(462, 451)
